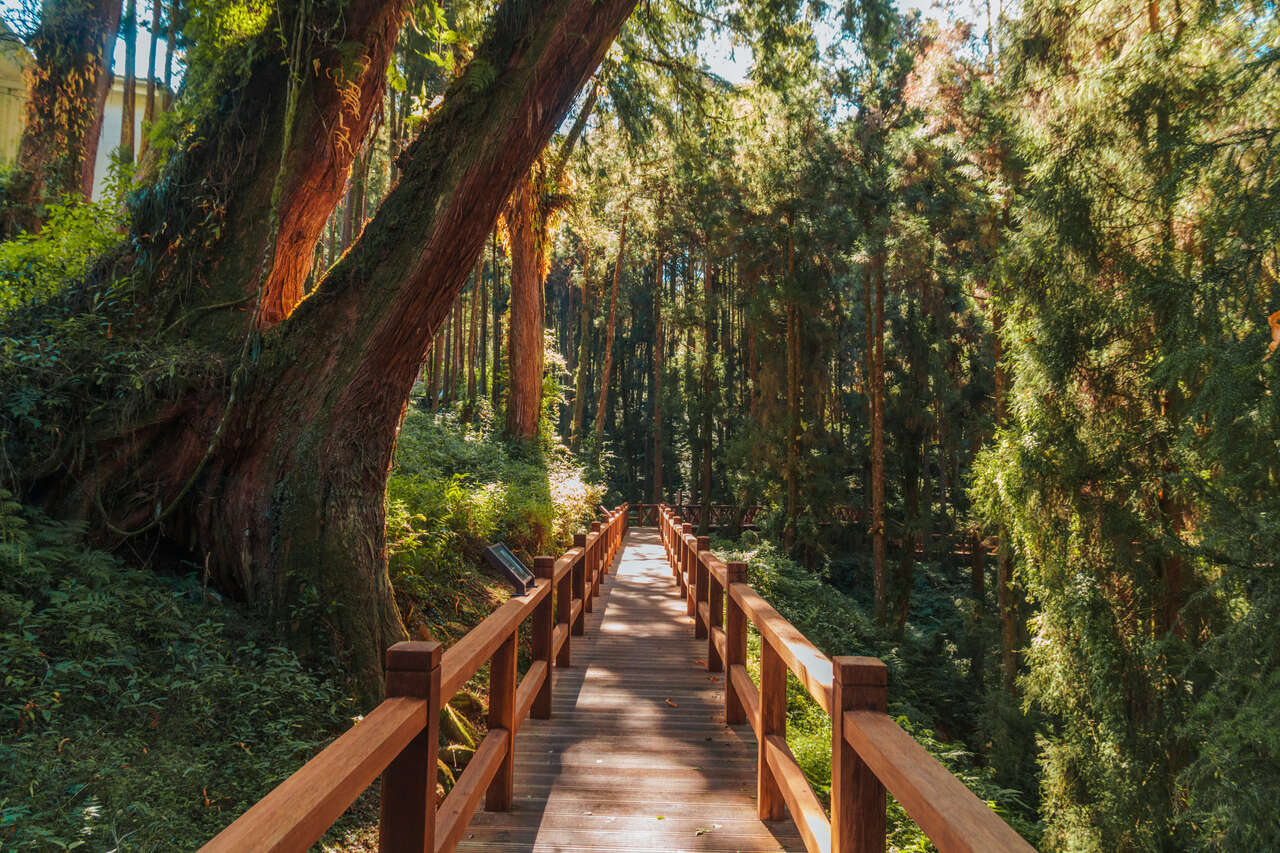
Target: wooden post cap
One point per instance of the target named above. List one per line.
(736, 572)
(414, 656)
(579, 540)
(704, 543)
(859, 682)
(543, 566)
(686, 528)
(595, 527)
(859, 671)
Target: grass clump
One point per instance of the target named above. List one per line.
(137, 712)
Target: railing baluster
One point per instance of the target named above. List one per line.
(540, 638)
(564, 616)
(596, 559)
(502, 715)
(686, 567)
(408, 812)
(735, 647)
(580, 596)
(857, 796)
(699, 586)
(773, 721)
(715, 611)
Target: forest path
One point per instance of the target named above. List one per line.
(636, 756)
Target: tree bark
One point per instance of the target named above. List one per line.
(603, 397)
(875, 384)
(282, 483)
(708, 389)
(471, 342)
(149, 105)
(482, 345)
(659, 352)
(129, 30)
(1004, 559)
(793, 397)
(67, 91)
(170, 41)
(525, 349)
(584, 357)
(496, 389)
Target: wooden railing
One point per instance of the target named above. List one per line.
(719, 515)
(399, 739)
(870, 752)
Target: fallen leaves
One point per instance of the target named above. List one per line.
(672, 704)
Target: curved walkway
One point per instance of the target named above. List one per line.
(636, 756)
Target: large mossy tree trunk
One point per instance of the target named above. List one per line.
(261, 154)
(278, 471)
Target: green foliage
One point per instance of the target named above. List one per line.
(1137, 475)
(458, 488)
(35, 267)
(839, 625)
(136, 711)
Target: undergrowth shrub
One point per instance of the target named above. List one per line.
(457, 488)
(136, 712)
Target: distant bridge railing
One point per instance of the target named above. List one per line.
(720, 516)
(399, 739)
(870, 752)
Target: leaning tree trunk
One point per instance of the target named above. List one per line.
(66, 94)
(281, 483)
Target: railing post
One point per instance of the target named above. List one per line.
(579, 573)
(675, 553)
(773, 721)
(408, 812)
(735, 646)
(596, 559)
(502, 715)
(715, 611)
(686, 568)
(691, 576)
(699, 586)
(564, 613)
(540, 640)
(857, 796)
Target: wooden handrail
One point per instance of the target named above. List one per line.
(303, 807)
(938, 802)
(399, 739)
(802, 657)
(870, 752)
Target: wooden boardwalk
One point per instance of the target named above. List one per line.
(636, 756)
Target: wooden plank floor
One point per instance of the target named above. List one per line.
(617, 768)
